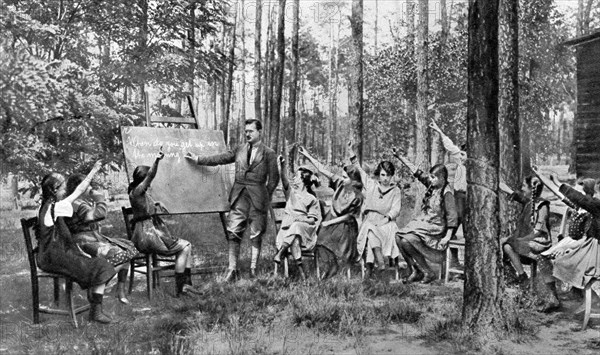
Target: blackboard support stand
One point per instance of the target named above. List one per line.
(193, 121)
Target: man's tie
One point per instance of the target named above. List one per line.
(249, 154)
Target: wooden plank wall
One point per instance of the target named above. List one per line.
(587, 123)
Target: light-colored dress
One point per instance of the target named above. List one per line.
(380, 209)
(299, 204)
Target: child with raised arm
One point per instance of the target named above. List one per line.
(88, 210)
(457, 178)
(577, 256)
(339, 229)
(381, 207)
(150, 233)
(531, 238)
(427, 235)
(59, 254)
(302, 214)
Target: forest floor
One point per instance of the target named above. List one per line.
(272, 315)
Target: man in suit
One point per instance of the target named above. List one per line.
(256, 177)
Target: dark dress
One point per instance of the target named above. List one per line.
(150, 233)
(340, 238)
(59, 254)
(86, 233)
(532, 234)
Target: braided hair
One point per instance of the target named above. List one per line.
(441, 172)
(536, 192)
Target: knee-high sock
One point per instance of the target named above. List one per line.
(296, 249)
(234, 254)
(256, 243)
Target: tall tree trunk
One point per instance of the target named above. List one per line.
(189, 45)
(294, 79)
(410, 100)
(355, 94)
(242, 117)
(508, 110)
(268, 76)
(483, 311)
(142, 44)
(257, 61)
(444, 23)
(214, 98)
(376, 26)
(279, 69)
(423, 149)
(229, 86)
(336, 72)
(329, 117)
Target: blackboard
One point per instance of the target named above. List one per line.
(182, 186)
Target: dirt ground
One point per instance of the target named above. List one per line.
(292, 319)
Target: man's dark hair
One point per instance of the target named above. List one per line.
(257, 123)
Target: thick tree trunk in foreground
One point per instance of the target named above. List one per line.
(483, 311)
(508, 111)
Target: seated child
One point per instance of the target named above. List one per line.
(302, 215)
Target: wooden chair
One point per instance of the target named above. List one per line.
(587, 301)
(277, 212)
(458, 244)
(28, 225)
(146, 264)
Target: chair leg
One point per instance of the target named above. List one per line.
(349, 273)
(362, 268)
(56, 292)
(69, 294)
(286, 273)
(35, 296)
(316, 256)
(446, 266)
(155, 276)
(533, 277)
(588, 305)
(131, 275)
(149, 276)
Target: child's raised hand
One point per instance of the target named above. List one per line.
(302, 151)
(160, 154)
(434, 126)
(97, 165)
(281, 160)
(190, 156)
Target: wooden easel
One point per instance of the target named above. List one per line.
(192, 120)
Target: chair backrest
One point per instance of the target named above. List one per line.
(29, 226)
(127, 217)
(277, 213)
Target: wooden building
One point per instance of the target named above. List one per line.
(586, 127)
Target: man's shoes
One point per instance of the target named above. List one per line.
(232, 276)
